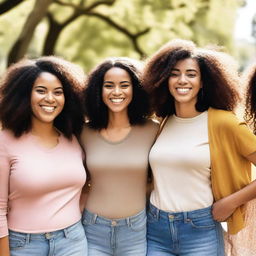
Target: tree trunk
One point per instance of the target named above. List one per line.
(21, 45)
(52, 37)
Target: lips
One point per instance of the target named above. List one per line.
(48, 109)
(116, 100)
(182, 90)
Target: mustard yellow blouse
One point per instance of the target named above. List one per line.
(230, 142)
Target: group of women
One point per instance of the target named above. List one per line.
(77, 155)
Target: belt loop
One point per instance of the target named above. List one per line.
(185, 216)
(65, 231)
(94, 218)
(128, 221)
(27, 238)
(157, 213)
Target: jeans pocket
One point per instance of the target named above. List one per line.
(206, 222)
(139, 224)
(16, 242)
(77, 233)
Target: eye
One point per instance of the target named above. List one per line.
(40, 91)
(58, 93)
(124, 86)
(108, 86)
(173, 74)
(191, 75)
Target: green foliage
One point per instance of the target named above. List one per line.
(89, 39)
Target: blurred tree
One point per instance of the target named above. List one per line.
(85, 31)
(20, 47)
(7, 5)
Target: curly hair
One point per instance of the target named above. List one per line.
(15, 95)
(97, 111)
(218, 74)
(250, 96)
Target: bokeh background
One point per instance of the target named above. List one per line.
(87, 31)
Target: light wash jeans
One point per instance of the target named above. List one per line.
(193, 233)
(70, 241)
(117, 237)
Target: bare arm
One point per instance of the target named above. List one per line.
(224, 207)
(4, 246)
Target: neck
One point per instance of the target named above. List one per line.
(186, 110)
(118, 120)
(41, 129)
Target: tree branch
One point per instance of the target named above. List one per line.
(8, 5)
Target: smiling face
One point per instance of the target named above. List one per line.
(117, 90)
(47, 98)
(185, 82)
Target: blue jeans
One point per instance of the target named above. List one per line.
(192, 233)
(118, 237)
(70, 241)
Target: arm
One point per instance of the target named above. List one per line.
(224, 207)
(4, 246)
(4, 188)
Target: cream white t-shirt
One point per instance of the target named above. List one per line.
(180, 161)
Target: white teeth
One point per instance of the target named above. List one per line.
(183, 90)
(48, 109)
(117, 100)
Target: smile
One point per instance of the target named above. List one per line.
(182, 90)
(117, 100)
(48, 109)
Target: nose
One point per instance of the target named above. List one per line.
(117, 90)
(182, 79)
(49, 97)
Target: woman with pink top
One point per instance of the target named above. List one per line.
(41, 162)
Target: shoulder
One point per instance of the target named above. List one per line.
(223, 119)
(6, 136)
(87, 129)
(150, 125)
(148, 129)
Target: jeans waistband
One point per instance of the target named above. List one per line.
(48, 235)
(93, 218)
(180, 215)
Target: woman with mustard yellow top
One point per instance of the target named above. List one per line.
(202, 154)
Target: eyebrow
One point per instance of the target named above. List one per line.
(110, 82)
(43, 87)
(187, 70)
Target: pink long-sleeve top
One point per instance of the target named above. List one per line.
(39, 187)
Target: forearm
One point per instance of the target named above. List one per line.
(243, 196)
(4, 246)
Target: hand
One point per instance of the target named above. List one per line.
(222, 209)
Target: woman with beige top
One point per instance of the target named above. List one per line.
(117, 140)
(202, 155)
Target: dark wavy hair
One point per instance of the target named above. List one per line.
(97, 111)
(250, 100)
(218, 74)
(15, 95)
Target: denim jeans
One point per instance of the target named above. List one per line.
(117, 237)
(70, 241)
(192, 233)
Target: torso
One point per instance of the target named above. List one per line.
(180, 161)
(44, 183)
(118, 170)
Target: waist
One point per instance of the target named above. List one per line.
(180, 215)
(47, 235)
(93, 218)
